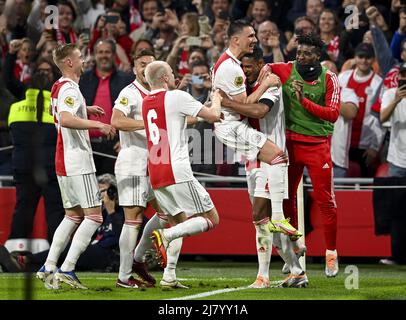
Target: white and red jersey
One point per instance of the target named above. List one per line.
(228, 76)
(341, 140)
(132, 158)
(273, 124)
(366, 129)
(164, 114)
(74, 154)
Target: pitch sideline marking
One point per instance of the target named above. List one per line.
(212, 293)
(209, 293)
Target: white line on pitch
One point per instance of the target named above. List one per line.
(209, 293)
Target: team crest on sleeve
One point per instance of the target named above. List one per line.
(238, 81)
(124, 101)
(69, 101)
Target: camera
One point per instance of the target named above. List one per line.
(112, 193)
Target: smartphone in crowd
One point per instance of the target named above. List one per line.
(197, 79)
(193, 42)
(111, 19)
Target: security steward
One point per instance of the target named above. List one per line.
(34, 138)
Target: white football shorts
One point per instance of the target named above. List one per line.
(189, 197)
(134, 190)
(240, 137)
(81, 190)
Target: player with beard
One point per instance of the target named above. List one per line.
(311, 96)
(75, 169)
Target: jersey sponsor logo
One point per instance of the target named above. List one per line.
(238, 81)
(69, 101)
(124, 101)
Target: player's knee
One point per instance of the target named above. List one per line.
(97, 218)
(75, 219)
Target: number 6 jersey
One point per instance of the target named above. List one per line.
(164, 114)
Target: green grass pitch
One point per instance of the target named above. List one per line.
(374, 282)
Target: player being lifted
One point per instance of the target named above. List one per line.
(179, 194)
(75, 168)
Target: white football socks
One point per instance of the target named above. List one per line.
(172, 253)
(81, 240)
(264, 248)
(189, 227)
(60, 240)
(156, 222)
(127, 242)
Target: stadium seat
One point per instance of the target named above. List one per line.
(382, 170)
(354, 170)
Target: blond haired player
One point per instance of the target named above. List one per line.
(75, 168)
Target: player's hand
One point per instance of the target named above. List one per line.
(95, 111)
(108, 130)
(271, 80)
(297, 86)
(264, 71)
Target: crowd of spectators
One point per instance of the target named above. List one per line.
(365, 43)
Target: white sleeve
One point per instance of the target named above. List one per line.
(349, 96)
(69, 100)
(387, 98)
(230, 79)
(273, 94)
(125, 102)
(187, 105)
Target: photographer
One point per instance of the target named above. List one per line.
(393, 109)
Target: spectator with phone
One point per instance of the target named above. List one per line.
(393, 109)
(107, 27)
(188, 37)
(162, 32)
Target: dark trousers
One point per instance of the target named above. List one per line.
(104, 164)
(357, 155)
(28, 193)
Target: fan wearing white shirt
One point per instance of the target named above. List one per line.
(393, 109)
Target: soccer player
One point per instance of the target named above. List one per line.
(311, 96)
(179, 194)
(234, 131)
(269, 182)
(75, 167)
(134, 189)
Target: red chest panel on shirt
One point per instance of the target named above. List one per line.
(59, 155)
(159, 155)
(359, 89)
